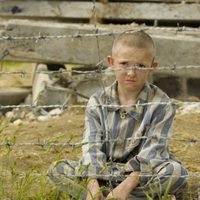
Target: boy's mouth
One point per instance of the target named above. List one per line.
(130, 81)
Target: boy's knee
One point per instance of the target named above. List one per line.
(61, 168)
(52, 169)
(180, 174)
(53, 172)
(175, 175)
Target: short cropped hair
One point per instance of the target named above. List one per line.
(138, 39)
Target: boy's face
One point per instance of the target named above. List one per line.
(124, 59)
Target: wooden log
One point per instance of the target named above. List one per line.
(13, 96)
(180, 48)
(107, 11)
(160, 1)
(150, 11)
(125, 1)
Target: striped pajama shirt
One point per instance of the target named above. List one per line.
(117, 143)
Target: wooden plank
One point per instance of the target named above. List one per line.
(46, 9)
(172, 47)
(114, 11)
(124, 1)
(13, 96)
(159, 1)
(151, 11)
(162, 1)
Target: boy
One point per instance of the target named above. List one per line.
(127, 129)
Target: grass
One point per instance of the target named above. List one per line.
(10, 64)
(35, 186)
(27, 186)
(31, 185)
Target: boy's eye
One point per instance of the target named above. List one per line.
(140, 66)
(123, 64)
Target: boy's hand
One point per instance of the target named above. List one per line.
(119, 193)
(94, 192)
(122, 191)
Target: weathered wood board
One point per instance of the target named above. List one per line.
(13, 96)
(127, 1)
(158, 1)
(180, 48)
(112, 10)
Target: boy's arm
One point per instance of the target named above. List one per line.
(93, 190)
(154, 150)
(123, 190)
(93, 158)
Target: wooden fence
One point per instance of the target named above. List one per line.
(54, 31)
(47, 18)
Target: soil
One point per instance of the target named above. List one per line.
(68, 128)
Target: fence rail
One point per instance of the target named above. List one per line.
(66, 43)
(107, 11)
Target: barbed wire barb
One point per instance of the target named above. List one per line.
(41, 36)
(101, 70)
(106, 176)
(44, 144)
(99, 105)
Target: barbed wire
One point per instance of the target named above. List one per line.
(172, 68)
(41, 36)
(100, 105)
(43, 144)
(106, 176)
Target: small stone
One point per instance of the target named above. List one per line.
(26, 123)
(55, 112)
(17, 122)
(42, 118)
(31, 116)
(10, 115)
(22, 114)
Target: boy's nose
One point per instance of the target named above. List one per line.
(131, 72)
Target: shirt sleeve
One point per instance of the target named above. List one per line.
(154, 150)
(93, 160)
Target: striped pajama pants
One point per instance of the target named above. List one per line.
(170, 177)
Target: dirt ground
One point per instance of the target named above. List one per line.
(68, 128)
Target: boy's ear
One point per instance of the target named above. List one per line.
(154, 64)
(110, 61)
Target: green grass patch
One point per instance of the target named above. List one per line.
(10, 64)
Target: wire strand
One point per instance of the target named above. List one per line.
(41, 36)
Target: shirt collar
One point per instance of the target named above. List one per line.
(112, 100)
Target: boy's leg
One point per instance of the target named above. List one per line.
(62, 174)
(169, 178)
